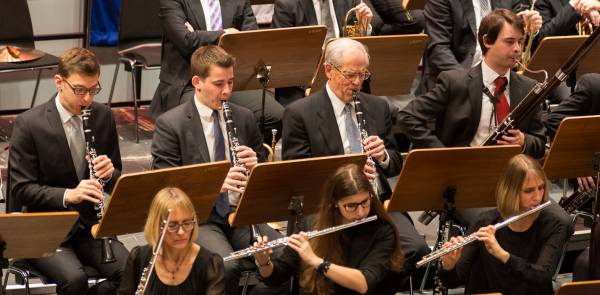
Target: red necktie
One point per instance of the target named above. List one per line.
(502, 108)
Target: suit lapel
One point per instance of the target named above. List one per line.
(327, 123)
(198, 13)
(309, 12)
(367, 115)
(516, 91)
(475, 96)
(60, 138)
(195, 131)
(469, 13)
(226, 13)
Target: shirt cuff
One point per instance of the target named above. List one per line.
(386, 161)
(65, 197)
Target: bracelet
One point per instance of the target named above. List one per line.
(262, 265)
(324, 267)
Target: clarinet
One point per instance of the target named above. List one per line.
(147, 272)
(283, 241)
(472, 237)
(360, 120)
(234, 143)
(107, 252)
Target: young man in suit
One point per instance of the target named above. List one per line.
(452, 28)
(194, 132)
(187, 25)
(324, 124)
(44, 179)
(468, 104)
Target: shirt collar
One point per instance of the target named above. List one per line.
(336, 102)
(204, 111)
(489, 76)
(64, 114)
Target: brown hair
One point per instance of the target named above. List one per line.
(492, 24)
(206, 56)
(167, 198)
(510, 185)
(348, 180)
(78, 61)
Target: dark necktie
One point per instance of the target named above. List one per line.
(222, 205)
(502, 108)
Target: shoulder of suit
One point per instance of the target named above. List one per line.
(175, 114)
(240, 109)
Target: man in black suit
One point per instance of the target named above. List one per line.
(187, 25)
(467, 104)
(194, 132)
(452, 29)
(48, 172)
(324, 124)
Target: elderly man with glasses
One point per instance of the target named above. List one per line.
(325, 124)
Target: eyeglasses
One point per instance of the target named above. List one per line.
(187, 225)
(352, 76)
(351, 207)
(80, 90)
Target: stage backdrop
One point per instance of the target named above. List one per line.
(105, 22)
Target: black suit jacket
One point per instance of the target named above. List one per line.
(179, 137)
(178, 43)
(455, 105)
(310, 129)
(296, 13)
(452, 27)
(584, 101)
(40, 161)
(558, 16)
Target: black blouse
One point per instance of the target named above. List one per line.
(205, 277)
(367, 247)
(534, 256)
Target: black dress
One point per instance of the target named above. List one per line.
(534, 256)
(205, 277)
(367, 247)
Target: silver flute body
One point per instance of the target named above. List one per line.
(91, 154)
(360, 121)
(147, 272)
(472, 237)
(283, 241)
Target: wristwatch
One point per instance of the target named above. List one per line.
(324, 267)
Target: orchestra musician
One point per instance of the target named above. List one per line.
(195, 132)
(182, 266)
(354, 260)
(522, 257)
(56, 178)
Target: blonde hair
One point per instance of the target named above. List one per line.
(510, 185)
(167, 198)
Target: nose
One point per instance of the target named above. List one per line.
(362, 212)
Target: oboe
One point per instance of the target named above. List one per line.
(360, 120)
(147, 272)
(283, 241)
(472, 237)
(107, 252)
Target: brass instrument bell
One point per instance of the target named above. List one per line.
(358, 29)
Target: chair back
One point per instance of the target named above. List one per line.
(139, 21)
(15, 23)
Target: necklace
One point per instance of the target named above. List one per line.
(177, 263)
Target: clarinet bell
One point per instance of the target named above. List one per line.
(107, 252)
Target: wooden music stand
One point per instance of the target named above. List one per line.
(427, 174)
(127, 208)
(579, 288)
(573, 148)
(414, 4)
(552, 53)
(33, 235)
(274, 58)
(393, 64)
(274, 186)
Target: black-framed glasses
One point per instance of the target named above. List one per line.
(80, 90)
(187, 225)
(352, 76)
(351, 207)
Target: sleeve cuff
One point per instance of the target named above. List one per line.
(64, 203)
(386, 161)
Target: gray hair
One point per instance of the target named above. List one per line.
(336, 49)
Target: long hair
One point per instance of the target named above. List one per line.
(510, 185)
(167, 198)
(348, 180)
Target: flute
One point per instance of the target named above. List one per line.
(472, 237)
(283, 241)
